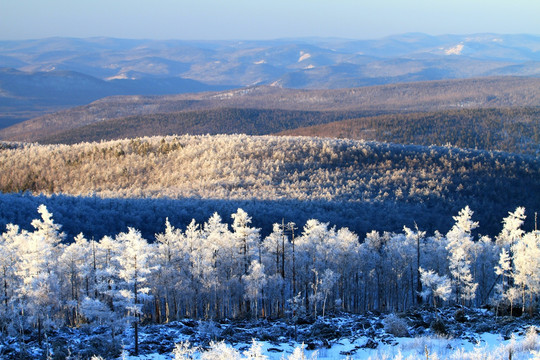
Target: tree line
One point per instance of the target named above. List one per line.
(214, 270)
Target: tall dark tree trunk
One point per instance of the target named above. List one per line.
(419, 299)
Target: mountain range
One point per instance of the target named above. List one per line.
(46, 75)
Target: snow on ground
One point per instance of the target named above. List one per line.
(366, 344)
(469, 334)
(303, 56)
(491, 346)
(456, 50)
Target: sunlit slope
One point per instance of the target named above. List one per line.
(440, 180)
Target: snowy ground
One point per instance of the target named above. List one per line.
(490, 346)
(468, 334)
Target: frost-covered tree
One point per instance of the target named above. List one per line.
(526, 257)
(255, 281)
(246, 237)
(219, 254)
(314, 256)
(416, 237)
(194, 250)
(172, 258)
(276, 254)
(435, 286)
(9, 242)
(327, 282)
(459, 252)
(512, 231)
(76, 268)
(135, 266)
(504, 270)
(39, 252)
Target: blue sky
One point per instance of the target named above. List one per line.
(262, 19)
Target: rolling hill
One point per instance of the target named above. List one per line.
(214, 121)
(359, 184)
(504, 129)
(410, 97)
(70, 71)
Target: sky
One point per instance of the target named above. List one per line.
(262, 19)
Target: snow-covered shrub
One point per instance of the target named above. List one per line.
(299, 354)
(210, 330)
(220, 351)
(531, 340)
(395, 326)
(184, 351)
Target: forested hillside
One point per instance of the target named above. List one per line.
(362, 185)
(498, 92)
(213, 270)
(514, 130)
(505, 129)
(217, 121)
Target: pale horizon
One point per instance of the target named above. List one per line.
(243, 20)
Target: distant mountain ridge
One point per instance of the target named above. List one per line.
(77, 71)
(221, 62)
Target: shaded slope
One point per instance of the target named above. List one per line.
(218, 121)
(423, 96)
(507, 129)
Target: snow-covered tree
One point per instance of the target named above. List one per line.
(459, 249)
(135, 266)
(246, 237)
(255, 281)
(435, 286)
(172, 259)
(76, 268)
(512, 231)
(327, 282)
(504, 269)
(526, 257)
(39, 252)
(8, 263)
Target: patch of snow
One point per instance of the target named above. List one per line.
(303, 56)
(121, 76)
(456, 50)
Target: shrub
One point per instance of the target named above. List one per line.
(396, 326)
(438, 327)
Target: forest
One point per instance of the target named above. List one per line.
(225, 268)
(480, 93)
(356, 184)
(515, 130)
(217, 121)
